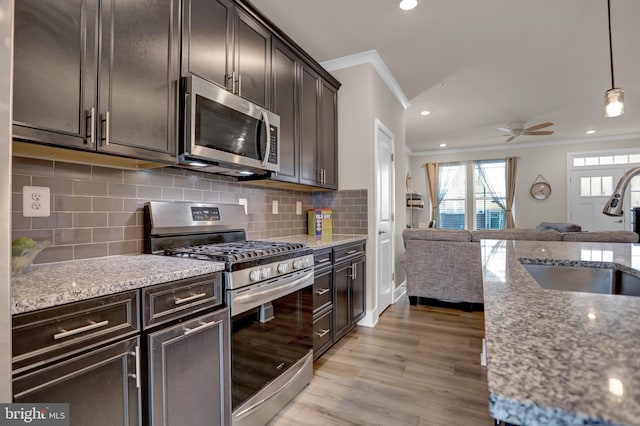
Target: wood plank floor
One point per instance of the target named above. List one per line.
(419, 366)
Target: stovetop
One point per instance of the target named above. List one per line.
(238, 251)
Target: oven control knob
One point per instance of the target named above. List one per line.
(282, 268)
(254, 275)
(265, 273)
(297, 264)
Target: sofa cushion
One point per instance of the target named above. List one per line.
(560, 227)
(602, 237)
(516, 234)
(435, 234)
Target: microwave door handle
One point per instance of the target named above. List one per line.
(265, 117)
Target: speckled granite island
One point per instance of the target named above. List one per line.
(318, 243)
(51, 284)
(555, 357)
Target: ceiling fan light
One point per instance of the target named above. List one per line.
(614, 102)
(408, 4)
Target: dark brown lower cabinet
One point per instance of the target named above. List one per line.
(189, 372)
(101, 386)
(349, 292)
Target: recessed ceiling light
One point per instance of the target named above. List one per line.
(425, 112)
(408, 4)
(590, 132)
(442, 145)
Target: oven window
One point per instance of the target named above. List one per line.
(225, 129)
(268, 340)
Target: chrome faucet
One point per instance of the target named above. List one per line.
(614, 204)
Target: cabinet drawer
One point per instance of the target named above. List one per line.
(165, 302)
(322, 333)
(348, 251)
(322, 289)
(322, 258)
(52, 333)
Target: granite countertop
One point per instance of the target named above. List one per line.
(556, 357)
(51, 284)
(318, 243)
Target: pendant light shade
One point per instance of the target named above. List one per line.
(614, 97)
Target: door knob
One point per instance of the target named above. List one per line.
(619, 221)
(381, 232)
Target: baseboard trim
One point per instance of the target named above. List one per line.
(400, 291)
(370, 318)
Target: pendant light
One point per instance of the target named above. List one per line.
(614, 97)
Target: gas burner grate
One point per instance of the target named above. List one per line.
(236, 251)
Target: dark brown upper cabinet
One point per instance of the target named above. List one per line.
(98, 75)
(226, 46)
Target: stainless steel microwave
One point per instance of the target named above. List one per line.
(224, 133)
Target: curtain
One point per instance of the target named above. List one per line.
(511, 167)
(432, 184)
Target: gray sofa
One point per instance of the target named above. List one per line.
(444, 264)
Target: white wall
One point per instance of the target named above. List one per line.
(363, 98)
(548, 160)
(6, 44)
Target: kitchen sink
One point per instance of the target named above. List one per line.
(584, 279)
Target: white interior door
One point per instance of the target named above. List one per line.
(385, 215)
(589, 191)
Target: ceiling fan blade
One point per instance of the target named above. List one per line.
(544, 132)
(495, 136)
(538, 126)
(511, 138)
(504, 129)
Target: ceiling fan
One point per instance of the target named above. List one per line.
(516, 128)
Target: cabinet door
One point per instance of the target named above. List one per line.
(139, 77)
(253, 60)
(341, 303)
(189, 373)
(100, 386)
(358, 286)
(309, 116)
(207, 40)
(284, 103)
(54, 70)
(328, 150)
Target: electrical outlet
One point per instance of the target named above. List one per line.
(298, 207)
(274, 207)
(35, 201)
(243, 202)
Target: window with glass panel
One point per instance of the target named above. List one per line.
(452, 187)
(489, 194)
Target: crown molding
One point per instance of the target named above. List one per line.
(369, 57)
(524, 145)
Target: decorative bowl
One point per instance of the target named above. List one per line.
(21, 261)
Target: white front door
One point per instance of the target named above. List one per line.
(385, 215)
(589, 191)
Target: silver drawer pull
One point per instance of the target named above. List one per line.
(91, 326)
(190, 298)
(351, 251)
(322, 333)
(323, 291)
(188, 331)
(325, 260)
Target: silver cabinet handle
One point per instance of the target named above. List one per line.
(91, 326)
(136, 375)
(322, 291)
(233, 82)
(325, 260)
(106, 128)
(188, 331)
(265, 117)
(193, 297)
(92, 126)
(322, 333)
(351, 251)
(239, 84)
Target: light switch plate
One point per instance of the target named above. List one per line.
(35, 201)
(298, 207)
(243, 202)
(274, 207)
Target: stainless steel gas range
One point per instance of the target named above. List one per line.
(269, 293)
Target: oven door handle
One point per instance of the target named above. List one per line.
(252, 297)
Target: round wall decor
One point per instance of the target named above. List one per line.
(540, 189)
